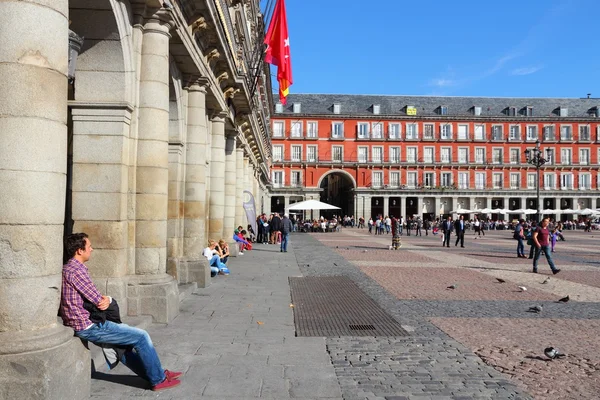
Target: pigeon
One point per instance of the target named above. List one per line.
(364, 251)
(500, 280)
(337, 247)
(553, 353)
(535, 309)
(454, 286)
(335, 264)
(564, 299)
(546, 280)
(523, 288)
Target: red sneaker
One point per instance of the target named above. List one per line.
(166, 384)
(172, 374)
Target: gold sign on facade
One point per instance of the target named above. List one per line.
(410, 110)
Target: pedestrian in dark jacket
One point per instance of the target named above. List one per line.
(286, 229)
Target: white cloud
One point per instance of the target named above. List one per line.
(525, 70)
(442, 82)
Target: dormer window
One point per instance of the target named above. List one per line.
(597, 111)
(376, 109)
(278, 108)
(443, 110)
(563, 111)
(476, 110)
(411, 110)
(297, 108)
(337, 108)
(529, 111)
(511, 111)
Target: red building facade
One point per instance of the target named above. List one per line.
(429, 156)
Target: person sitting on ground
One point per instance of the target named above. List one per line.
(223, 249)
(238, 237)
(77, 286)
(214, 259)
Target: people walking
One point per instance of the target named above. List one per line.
(419, 225)
(395, 233)
(519, 236)
(541, 238)
(286, 229)
(459, 231)
(447, 229)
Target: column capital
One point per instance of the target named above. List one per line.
(159, 21)
(196, 83)
(218, 116)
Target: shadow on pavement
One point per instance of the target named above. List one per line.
(127, 380)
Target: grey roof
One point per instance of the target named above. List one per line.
(362, 105)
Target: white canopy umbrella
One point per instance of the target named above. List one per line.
(497, 210)
(484, 211)
(550, 211)
(311, 205)
(522, 211)
(461, 211)
(567, 211)
(587, 211)
(530, 211)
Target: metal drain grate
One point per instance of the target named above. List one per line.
(335, 306)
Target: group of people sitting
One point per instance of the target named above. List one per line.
(217, 253)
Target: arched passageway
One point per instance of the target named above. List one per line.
(337, 188)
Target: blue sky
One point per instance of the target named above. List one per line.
(524, 48)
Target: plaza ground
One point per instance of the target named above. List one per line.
(236, 339)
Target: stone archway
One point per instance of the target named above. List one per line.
(337, 188)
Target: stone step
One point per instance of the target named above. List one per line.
(186, 289)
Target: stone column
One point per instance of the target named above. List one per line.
(386, 206)
(152, 291)
(39, 359)
(437, 206)
(216, 213)
(195, 267)
(403, 207)
(420, 206)
(230, 196)
(240, 176)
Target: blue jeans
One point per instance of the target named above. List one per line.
(546, 250)
(215, 262)
(144, 362)
(520, 247)
(285, 237)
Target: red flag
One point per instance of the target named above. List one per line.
(278, 49)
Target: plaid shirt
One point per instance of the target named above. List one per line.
(76, 283)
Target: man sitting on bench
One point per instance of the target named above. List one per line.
(77, 286)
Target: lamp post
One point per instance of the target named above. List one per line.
(536, 158)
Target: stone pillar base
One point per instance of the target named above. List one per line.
(234, 248)
(155, 295)
(195, 271)
(51, 365)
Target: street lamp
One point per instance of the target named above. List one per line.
(536, 158)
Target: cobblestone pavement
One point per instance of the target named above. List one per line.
(475, 341)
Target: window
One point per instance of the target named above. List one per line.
(377, 178)
(377, 130)
(312, 129)
(411, 154)
(376, 109)
(311, 153)
(565, 132)
(585, 181)
(463, 132)
(394, 131)
(277, 178)
(463, 155)
(479, 132)
(337, 108)
(394, 154)
(337, 153)
(296, 153)
(550, 156)
(584, 156)
(296, 178)
(297, 108)
(377, 154)
(584, 133)
(531, 181)
(497, 180)
(394, 179)
(337, 130)
(278, 129)
(278, 108)
(363, 154)
(515, 132)
(476, 110)
(479, 180)
(297, 129)
(445, 155)
(463, 180)
(514, 156)
(428, 131)
(563, 111)
(529, 111)
(428, 155)
(277, 153)
(479, 155)
(443, 110)
(515, 180)
(411, 179)
(566, 181)
(565, 156)
(411, 131)
(497, 133)
(511, 111)
(428, 179)
(446, 179)
(549, 181)
(362, 129)
(497, 156)
(446, 131)
(549, 133)
(532, 132)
